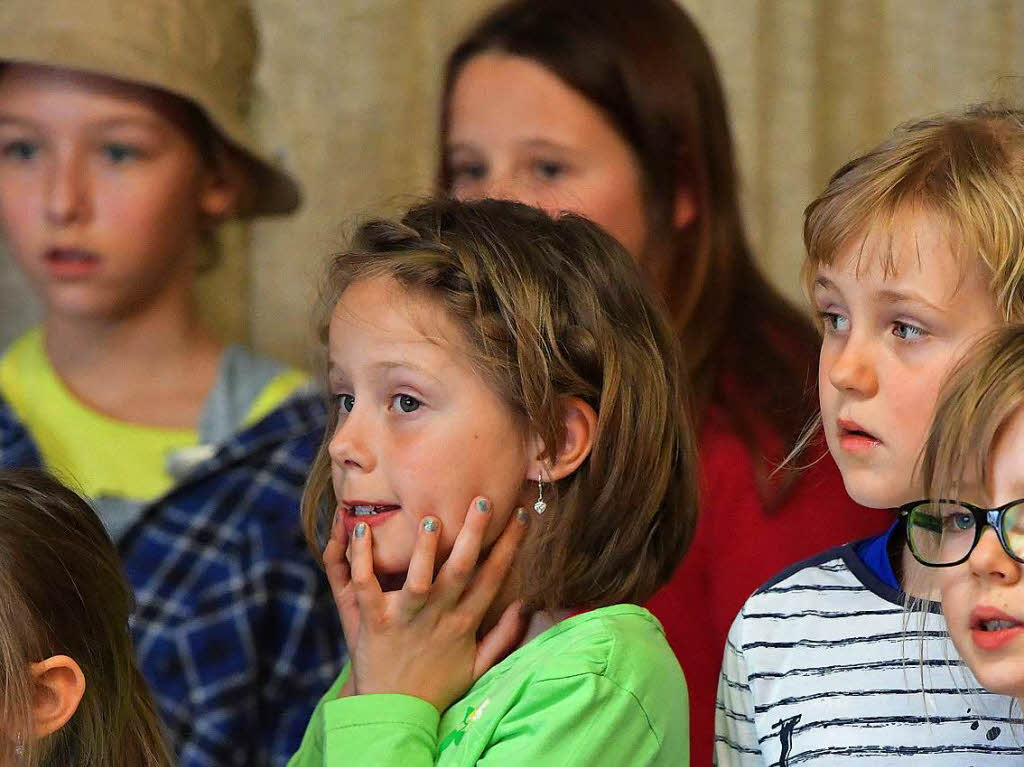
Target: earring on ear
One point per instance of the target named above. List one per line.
(540, 507)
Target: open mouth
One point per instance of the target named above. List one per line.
(991, 629)
(370, 509)
(854, 431)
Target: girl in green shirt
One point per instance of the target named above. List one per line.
(510, 472)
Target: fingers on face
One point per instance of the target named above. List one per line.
(364, 582)
(461, 563)
(420, 577)
(491, 574)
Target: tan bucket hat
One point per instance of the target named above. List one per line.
(201, 50)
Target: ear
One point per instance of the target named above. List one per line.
(684, 211)
(59, 686)
(580, 427)
(224, 182)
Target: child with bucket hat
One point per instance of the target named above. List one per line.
(123, 145)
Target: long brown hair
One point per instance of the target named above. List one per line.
(645, 65)
(62, 592)
(551, 309)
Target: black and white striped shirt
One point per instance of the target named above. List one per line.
(823, 664)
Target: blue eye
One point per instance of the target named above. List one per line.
(119, 154)
(346, 402)
(907, 332)
(20, 150)
(469, 171)
(834, 322)
(549, 170)
(960, 522)
(405, 403)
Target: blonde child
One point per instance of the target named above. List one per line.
(486, 357)
(975, 455)
(913, 250)
(123, 146)
(70, 692)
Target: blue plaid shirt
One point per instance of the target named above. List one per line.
(235, 628)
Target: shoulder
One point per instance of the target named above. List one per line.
(624, 645)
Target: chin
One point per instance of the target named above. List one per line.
(872, 492)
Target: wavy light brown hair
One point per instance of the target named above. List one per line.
(551, 309)
(965, 167)
(646, 67)
(62, 592)
(983, 392)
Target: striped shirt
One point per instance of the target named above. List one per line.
(823, 663)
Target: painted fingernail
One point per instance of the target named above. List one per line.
(523, 516)
(482, 505)
(360, 530)
(430, 525)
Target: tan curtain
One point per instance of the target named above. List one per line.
(349, 91)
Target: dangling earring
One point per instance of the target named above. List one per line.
(19, 747)
(540, 507)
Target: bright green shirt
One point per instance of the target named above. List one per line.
(600, 688)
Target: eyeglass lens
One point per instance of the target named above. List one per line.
(942, 532)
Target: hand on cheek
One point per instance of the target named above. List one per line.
(422, 640)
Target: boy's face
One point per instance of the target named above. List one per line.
(889, 341)
(983, 599)
(419, 431)
(102, 191)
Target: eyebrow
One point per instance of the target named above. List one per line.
(388, 366)
(888, 295)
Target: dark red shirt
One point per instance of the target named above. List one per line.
(738, 546)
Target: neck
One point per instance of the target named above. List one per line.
(538, 622)
(151, 366)
(917, 580)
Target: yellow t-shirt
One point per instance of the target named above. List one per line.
(100, 455)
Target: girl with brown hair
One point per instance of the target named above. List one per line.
(615, 111)
(499, 378)
(70, 691)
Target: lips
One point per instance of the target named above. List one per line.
(369, 512)
(992, 628)
(71, 262)
(854, 437)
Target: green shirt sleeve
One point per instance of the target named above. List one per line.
(582, 720)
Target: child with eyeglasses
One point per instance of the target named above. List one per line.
(976, 451)
(915, 250)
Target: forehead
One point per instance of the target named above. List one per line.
(379, 318)
(520, 98)
(914, 250)
(40, 93)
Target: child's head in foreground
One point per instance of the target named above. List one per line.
(974, 458)
(70, 692)
(478, 347)
(123, 143)
(914, 248)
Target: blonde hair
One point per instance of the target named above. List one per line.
(551, 309)
(982, 393)
(62, 592)
(966, 168)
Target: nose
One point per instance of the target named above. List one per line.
(853, 370)
(66, 196)
(991, 562)
(349, 449)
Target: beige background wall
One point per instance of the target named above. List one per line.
(348, 97)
